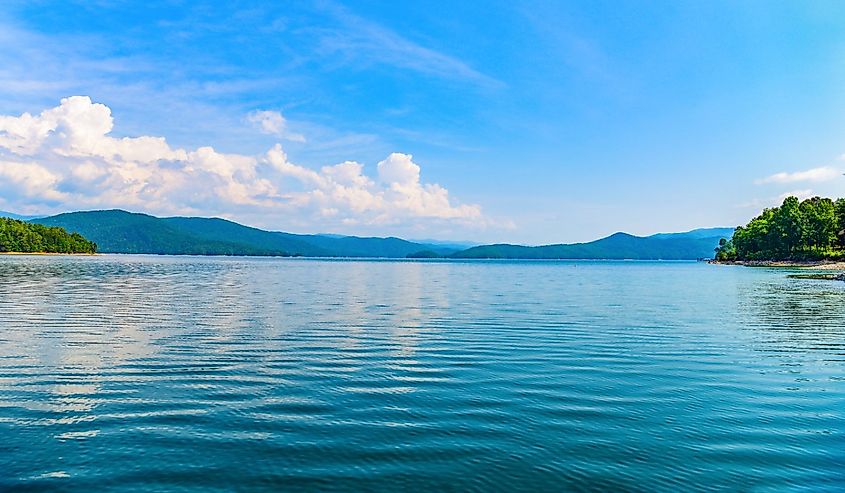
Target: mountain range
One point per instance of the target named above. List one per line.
(19, 217)
(117, 231)
(694, 244)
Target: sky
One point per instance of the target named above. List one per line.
(522, 122)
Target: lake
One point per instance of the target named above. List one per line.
(146, 373)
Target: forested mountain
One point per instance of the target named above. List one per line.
(812, 229)
(679, 246)
(23, 237)
(117, 231)
(124, 232)
(216, 230)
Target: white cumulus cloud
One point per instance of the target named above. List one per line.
(273, 123)
(799, 194)
(65, 158)
(825, 173)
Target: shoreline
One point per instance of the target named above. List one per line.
(792, 264)
(51, 254)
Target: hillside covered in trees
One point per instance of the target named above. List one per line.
(676, 246)
(22, 237)
(810, 230)
(117, 231)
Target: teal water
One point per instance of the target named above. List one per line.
(132, 373)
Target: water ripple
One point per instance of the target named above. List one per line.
(129, 373)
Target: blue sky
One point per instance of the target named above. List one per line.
(532, 122)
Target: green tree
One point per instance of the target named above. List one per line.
(839, 207)
(19, 236)
(726, 250)
(787, 228)
(812, 229)
(820, 223)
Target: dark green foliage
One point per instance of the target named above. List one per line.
(22, 237)
(819, 223)
(619, 246)
(119, 231)
(808, 230)
(726, 250)
(839, 210)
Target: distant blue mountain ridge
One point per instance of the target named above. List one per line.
(691, 245)
(118, 231)
(697, 233)
(19, 217)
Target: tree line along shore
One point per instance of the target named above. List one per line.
(796, 232)
(23, 237)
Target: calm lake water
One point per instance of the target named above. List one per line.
(143, 373)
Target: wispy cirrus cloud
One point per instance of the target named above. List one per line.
(368, 42)
(149, 91)
(817, 175)
(207, 101)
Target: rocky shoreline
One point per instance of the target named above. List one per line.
(800, 264)
(814, 265)
(819, 276)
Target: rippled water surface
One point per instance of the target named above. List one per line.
(122, 373)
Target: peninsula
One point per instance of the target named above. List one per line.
(22, 237)
(798, 233)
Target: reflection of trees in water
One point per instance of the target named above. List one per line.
(793, 314)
